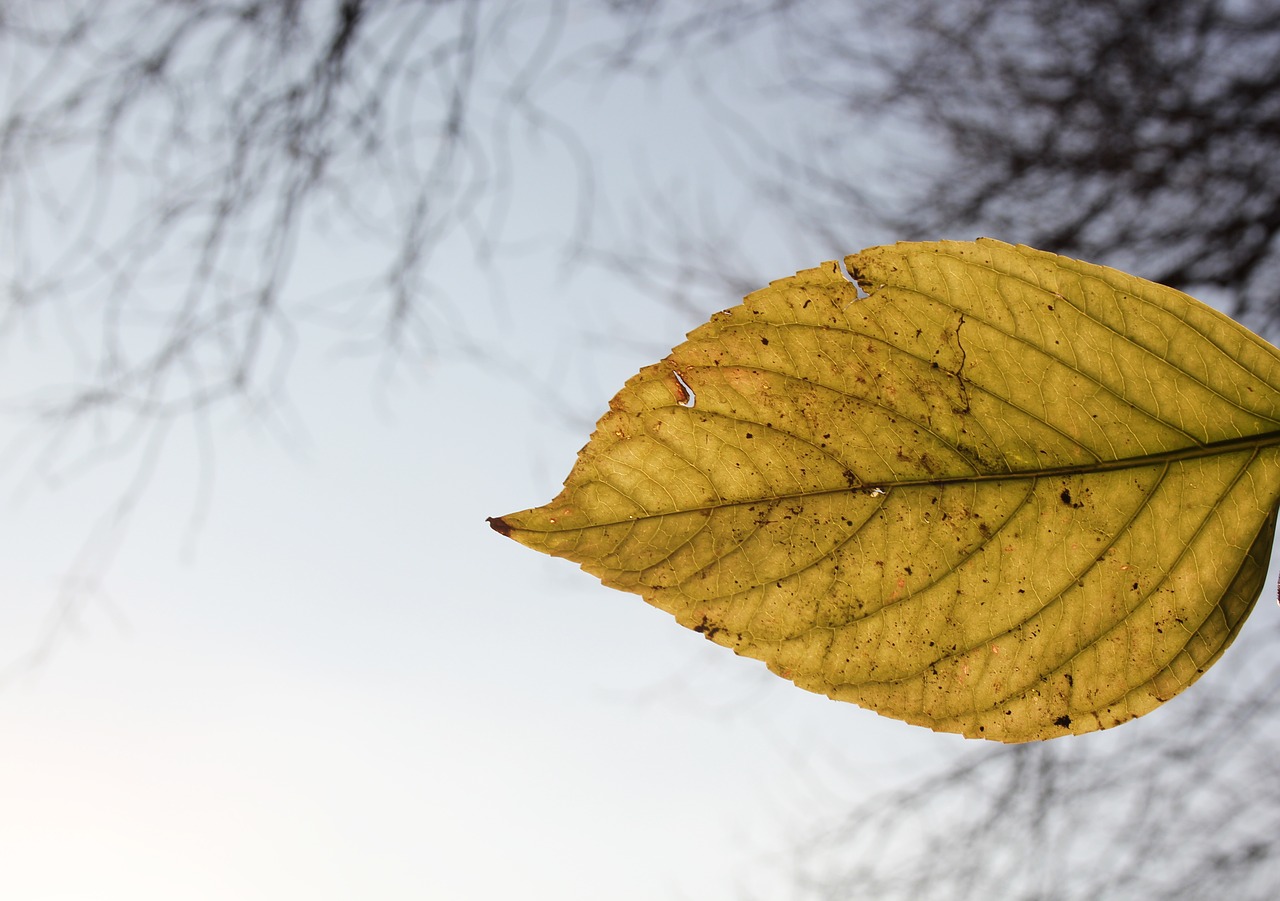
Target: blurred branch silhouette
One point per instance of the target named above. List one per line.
(1139, 134)
(164, 163)
(222, 133)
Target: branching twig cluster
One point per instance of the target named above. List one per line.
(165, 164)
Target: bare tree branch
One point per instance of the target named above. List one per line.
(236, 126)
(165, 164)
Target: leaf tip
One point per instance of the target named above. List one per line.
(499, 525)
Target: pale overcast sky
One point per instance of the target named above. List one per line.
(334, 681)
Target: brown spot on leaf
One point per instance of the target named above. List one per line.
(499, 525)
(707, 628)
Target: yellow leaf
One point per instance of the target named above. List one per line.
(1006, 494)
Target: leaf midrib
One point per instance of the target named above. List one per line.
(1212, 449)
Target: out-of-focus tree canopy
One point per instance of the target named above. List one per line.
(1141, 134)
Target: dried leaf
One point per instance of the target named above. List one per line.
(1006, 494)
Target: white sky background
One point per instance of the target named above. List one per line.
(341, 683)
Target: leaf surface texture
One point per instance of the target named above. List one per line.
(1006, 493)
